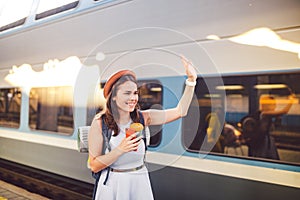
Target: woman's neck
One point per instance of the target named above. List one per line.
(123, 121)
(124, 118)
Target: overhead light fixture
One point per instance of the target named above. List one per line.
(270, 86)
(155, 89)
(229, 87)
(212, 95)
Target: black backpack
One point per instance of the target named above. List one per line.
(107, 133)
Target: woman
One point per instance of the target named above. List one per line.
(128, 178)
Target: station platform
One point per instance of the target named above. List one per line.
(11, 192)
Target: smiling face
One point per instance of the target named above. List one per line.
(123, 98)
(126, 97)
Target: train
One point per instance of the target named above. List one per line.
(55, 58)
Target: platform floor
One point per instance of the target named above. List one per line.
(11, 192)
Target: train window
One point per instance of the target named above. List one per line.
(51, 109)
(13, 13)
(48, 8)
(10, 106)
(271, 99)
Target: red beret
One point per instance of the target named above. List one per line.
(113, 79)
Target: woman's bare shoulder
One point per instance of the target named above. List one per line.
(96, 123)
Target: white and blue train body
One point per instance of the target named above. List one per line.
(54, 60)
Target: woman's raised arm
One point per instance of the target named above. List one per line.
(157, 117)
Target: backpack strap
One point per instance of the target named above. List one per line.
(106, 136)
(142, 121)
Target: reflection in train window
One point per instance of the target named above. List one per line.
(150, 96)
(51, 109)
(273, 99)
(47, 8)
(10, 106)
(13, 13)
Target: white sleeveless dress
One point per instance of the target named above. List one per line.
(134, 185)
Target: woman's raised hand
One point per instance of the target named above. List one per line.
(189, 69)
